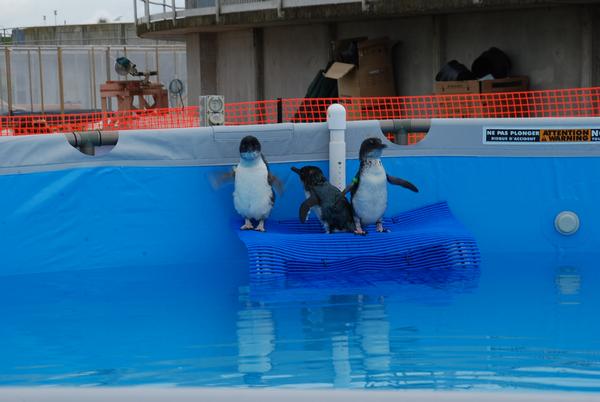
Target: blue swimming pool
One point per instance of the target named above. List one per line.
(125, 270)
(520, 322)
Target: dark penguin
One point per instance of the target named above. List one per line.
(332, 208)
(253, 196)
(369, 187)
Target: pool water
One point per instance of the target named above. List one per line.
(518, 322)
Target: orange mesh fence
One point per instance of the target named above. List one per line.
(123, 120)
(578, 102)
(261, 112)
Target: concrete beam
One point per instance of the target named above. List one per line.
(335, 12)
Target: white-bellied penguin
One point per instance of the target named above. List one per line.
(332, 208)
(369, 187)
(253, 195)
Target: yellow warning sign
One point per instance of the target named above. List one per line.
(566, 135)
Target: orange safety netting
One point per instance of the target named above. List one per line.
(577, 102)
(123, 120)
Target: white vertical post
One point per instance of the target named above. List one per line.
(147, 12)
(336, 121)
(174, 8)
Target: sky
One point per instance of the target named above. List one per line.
(23, 13)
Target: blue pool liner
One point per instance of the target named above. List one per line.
(427, 237)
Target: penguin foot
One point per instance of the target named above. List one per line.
(360, 232)
(260, 227)
(247, 225)
(381, 229)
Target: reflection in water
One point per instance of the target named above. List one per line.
(568, 284)
(344, 315)
(256, 336)
(321, 285)
(373, 329)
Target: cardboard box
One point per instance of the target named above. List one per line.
(372, 76)
(513, 84)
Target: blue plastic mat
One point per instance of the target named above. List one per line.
(428, 237)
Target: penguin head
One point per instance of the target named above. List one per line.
(249, 148)
(310, 176)
(371, 148)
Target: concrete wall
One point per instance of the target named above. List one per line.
(545, 44)
(558, 47)
(237, 65)
(292, 57)
(93, 34)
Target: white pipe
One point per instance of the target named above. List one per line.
(336, 121)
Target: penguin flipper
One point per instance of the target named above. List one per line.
(351, 188)
(276, 183)
(218, 179)
(306, 206)
(401, 182)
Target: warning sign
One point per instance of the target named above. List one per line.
(546, 135)
(578, 135)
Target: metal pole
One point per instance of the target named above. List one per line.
(147, 11)
(1, 92)
(217, 10)
(41, 79)
(95, 93)
(125, 54)
(30, 79)
(135, 14)
(156, 55)
(164, 6)
(8, 80)
(279, 110)
(174, 12)
(90, 60)
(175, 62)
(109, 101)
(61, 88)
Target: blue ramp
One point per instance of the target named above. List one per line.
(427, 237)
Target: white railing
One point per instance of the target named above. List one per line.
(148, 11)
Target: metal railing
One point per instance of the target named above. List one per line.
(39, 79)
(154, 10)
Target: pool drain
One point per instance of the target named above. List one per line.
(566, 223)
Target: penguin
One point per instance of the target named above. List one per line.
(369, 187)
(253, 195)
(332, 208)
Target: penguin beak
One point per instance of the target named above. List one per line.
(296, 170)
(382, 146)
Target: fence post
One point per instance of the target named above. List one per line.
(30, 79)
(41, 80)
(174, 12)
(279, 110)
(336, 121)
(94, 90)
(8, 80)
(147, 12)
(61, 88)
